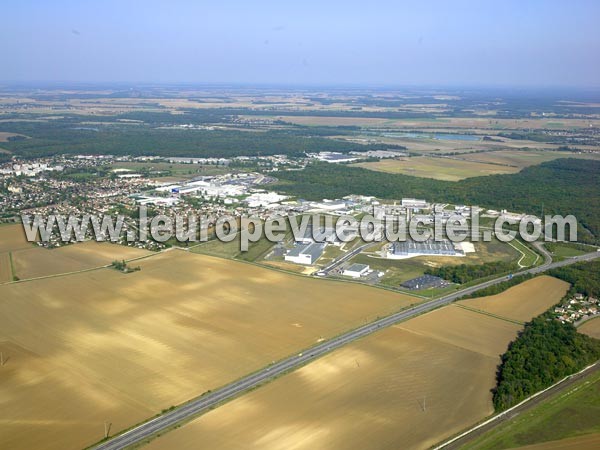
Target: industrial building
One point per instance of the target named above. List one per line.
(409, 249)
(323, 235)
(415, 203)
(356, 270)
(305, 253)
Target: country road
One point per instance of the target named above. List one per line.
(212, 399)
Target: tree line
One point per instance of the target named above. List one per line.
(463, 273)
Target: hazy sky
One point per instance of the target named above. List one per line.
(502, 42)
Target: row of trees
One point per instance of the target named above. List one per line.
(463, 273)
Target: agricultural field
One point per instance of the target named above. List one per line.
(591, 328)
(447, 169)
(387, 385)
(12, 237)
(520, 159)
(102, 346)
(523, 301)
(567, 421)
(5, 267)
(455, 168)
(39, 262)
(445, 123)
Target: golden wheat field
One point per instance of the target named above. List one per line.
(437, 168)
(102, 346)
(408, 386)
(5, 267)
(12, 237)
(524, 158)
(523, 301)
(38, 262)
(591, 328)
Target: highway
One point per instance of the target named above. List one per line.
(212, 399)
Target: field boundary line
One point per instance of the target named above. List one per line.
(12, 267)
(486, 313)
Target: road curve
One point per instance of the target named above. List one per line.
(210, 400)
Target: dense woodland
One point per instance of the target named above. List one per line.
(584, 277)
(547, 350)
(68, 136)
(463, 273)
(562, 186)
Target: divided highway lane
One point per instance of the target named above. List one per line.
(207, 401)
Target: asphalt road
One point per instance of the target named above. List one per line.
(344, 258)
(207, 401)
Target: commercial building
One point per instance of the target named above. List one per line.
(305, 253)
(356, 270)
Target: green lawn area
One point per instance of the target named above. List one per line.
(256, 250)
(528, 257)
(564, 250)
(171, 169)
(567, 414)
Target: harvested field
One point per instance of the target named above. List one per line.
(465, 329)
(5, 268)
(591, 328)
(438, 168)
(480, 124)
(402, 387)
(103, 345)
(12, 237)
(524, 301)
(524, 158)
(39, 262)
